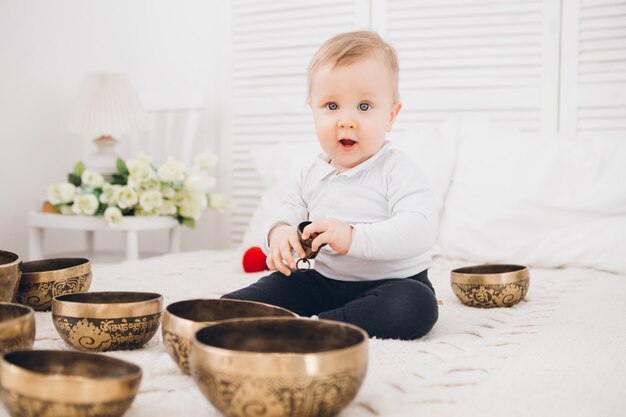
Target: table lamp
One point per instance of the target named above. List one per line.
(107, 106)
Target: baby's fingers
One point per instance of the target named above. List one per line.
(277, 259)
(297, 247)
(285, 251)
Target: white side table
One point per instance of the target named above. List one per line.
(131, 226)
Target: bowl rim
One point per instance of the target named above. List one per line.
(14, 262)
(82, 268)
(464, 275)
(173, 316)
(29, 312)
(52, 387)
(273, 355)
(78, 309)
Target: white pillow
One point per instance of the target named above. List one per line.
(276, 165)
(537, 200)
(433, 149)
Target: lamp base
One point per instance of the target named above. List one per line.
(103, 160)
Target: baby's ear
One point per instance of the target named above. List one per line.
(393, 114)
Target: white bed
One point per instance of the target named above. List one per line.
(558, 353)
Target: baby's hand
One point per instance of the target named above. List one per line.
(331, 231)
(282, 239)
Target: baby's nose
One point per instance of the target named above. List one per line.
(346, 123)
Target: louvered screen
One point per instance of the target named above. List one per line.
(593, 95)
(272, 42)
(494, 58)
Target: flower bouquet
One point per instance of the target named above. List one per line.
(139, 188)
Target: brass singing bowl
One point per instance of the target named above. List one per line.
(10, 273)
(45, 279)
(104, 321)
(278, 367)
(490, 285)
(183, 319)
(17, 327)
(69, 384)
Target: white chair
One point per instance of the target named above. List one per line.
(174, 134)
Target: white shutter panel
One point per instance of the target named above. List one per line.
(496, 59)
(272, 42)
(593, 92)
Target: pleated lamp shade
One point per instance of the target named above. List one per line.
(108, 105)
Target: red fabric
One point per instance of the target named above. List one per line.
(254, 260)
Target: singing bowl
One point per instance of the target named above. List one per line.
(490, 285)
(10, 273)
(45, 279)
(183, 319)
(17, 327)
(68, 384)
(104, 321)
(278, 367)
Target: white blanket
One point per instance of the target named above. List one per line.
(558, 353)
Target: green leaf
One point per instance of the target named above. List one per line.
(101, 209)
(119, 179)
(189, 222)
(121, 167)
(74, 179)
(79, 168)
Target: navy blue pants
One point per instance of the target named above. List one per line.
(387, 308)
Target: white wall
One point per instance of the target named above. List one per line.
(167, 48)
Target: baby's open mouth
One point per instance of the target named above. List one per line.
(347, 143)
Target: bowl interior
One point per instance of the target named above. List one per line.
(282, 335)
(208, 310)
(45, 265)
(108, 297)
(7, 257)
(12, 311)
(489, 269)
(50, 362)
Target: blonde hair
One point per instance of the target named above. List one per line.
(349, 47)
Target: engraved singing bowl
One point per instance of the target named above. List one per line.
(69, 384)
(45, 279)
(183, 319)
(277, 367)
(490, 285)
(17, 327)
(104, 321)
(10, 273)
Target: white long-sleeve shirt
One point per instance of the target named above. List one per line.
(388, 202)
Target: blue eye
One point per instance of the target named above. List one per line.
(364, 106)
(332, 106)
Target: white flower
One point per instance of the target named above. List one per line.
(113, 215)
(151, 200)
(168, 208)
(168, 192)
(61, 193)
(126, 197)
(204, 161)
(220, 202)
(92, 179)
(149, 185)
(140, 171)
(192, 206)
(199, 183)
(108, 194)
(85, 204)
(171, 171)
(66, 209)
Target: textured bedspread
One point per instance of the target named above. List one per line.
(558, 353)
